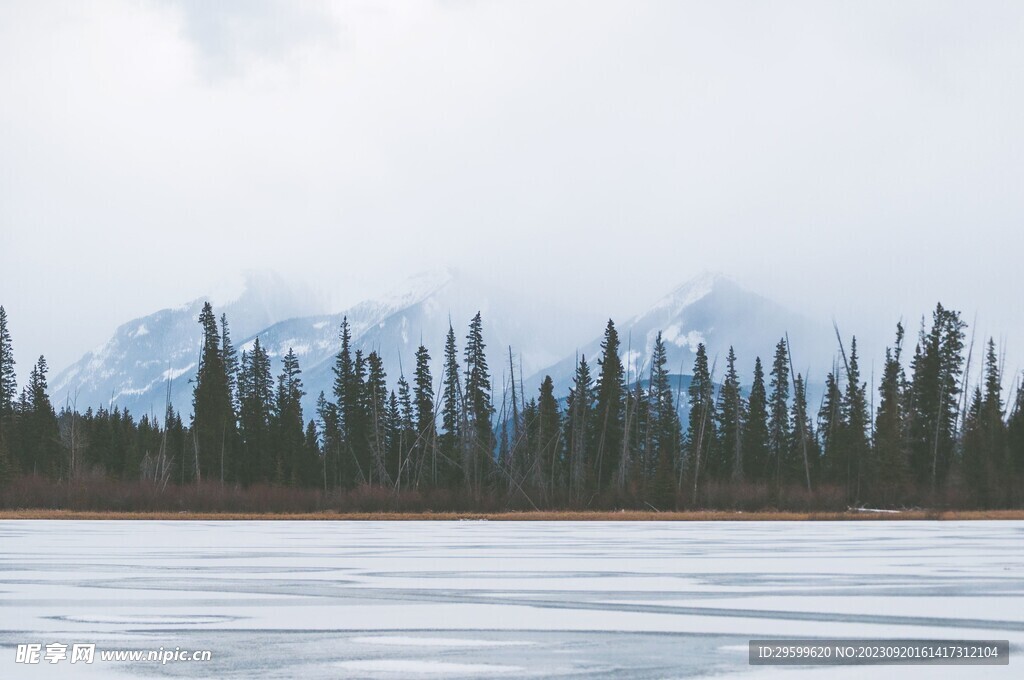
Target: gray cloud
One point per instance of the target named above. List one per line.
(856, 160)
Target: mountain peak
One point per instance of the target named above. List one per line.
(694, 290)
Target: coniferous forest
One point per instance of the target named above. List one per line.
(927, 437)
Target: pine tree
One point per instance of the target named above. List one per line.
(609, 410)
(8, 391)
(779, 432)
(451, 413)
(213, 419)
(426, 421)
(664, 432)
(230, 355)
(39, 436)
(984, 460)
(256, 407)
(288, 424)
(755, 429)
(730, 421)
(376, 409)
(700, 432)
(330, 449)
(408, 460)
(480, 442)
(803, 453)
(547, 437)
(347, 406)
(854, 435)
(578, 423)
(935, 396)
(8, 378)
(358, 422)
(831, 425)
(887, 475)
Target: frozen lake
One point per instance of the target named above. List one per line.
(500, 599)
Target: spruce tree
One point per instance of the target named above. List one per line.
(426, 421)
(778, 412)
(803, 453)
(346, 411)
(831, 425)
(290, 460)
(8, 378)
(480, 443)
(984, 459)
(888, 470)
(935, 396)
(330, 447)
(730, 421)
(854, 435)
(609, 410)
(578, 423)
(256, 407)
(230, 355)
(755, 429)
(213, 418)
(451, 413)
(377, 413)
(700, 432)
(547, 438)
(664, 431)
(39, 437)
(408, 461)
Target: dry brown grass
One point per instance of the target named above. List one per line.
(624, 515)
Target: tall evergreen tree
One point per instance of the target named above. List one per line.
(755, 429)
(887, 474)
(985, 460)
(664, 428)
(831, 425)
(609, 410)
(230, 355)
(291, 464)
(376, 409)
(213, 417)
(779, 432)
(803, 454)
(854, 435)
(700, 432)
(39, 437)
(451, 412)
(426, 420)
(330, 446)
(8, 378)
(579, 418)
(347, 408)
(935, 396)
(480, 443)
(405, 425)
(546, 437)
(255, 411)
(730, 415)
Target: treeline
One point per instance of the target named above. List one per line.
(617, 441)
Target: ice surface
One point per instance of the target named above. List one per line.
(503, 599)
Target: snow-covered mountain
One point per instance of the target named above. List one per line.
(420, 312)
(132, 368)
(711, 309)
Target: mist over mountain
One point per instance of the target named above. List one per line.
(714, 310)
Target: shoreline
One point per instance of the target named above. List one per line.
(533, 516)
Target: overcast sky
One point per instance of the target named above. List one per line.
(853, 159)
